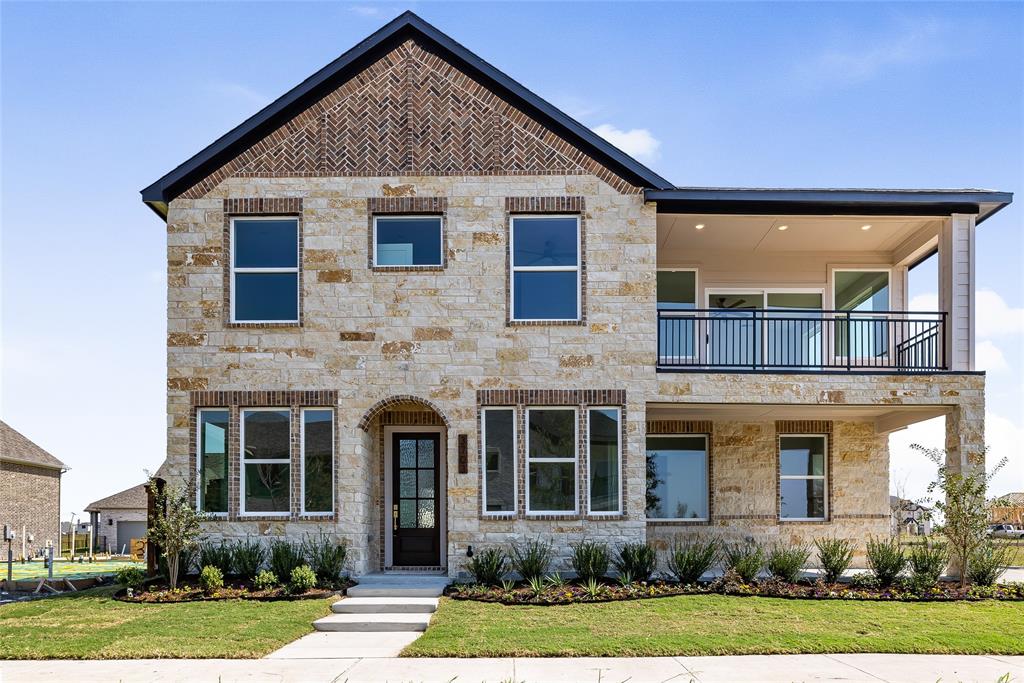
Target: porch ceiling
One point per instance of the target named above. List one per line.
(887, 418)
(760, 234)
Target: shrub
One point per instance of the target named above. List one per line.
(249, 556)
(834, 556)
(746, 560)
(590, 560)
(637, 560)
(326, 557)
(211, 579)
(265, 581)
(688, 560)
(531, 558)
(175, 524)
(886, 559)
(301, 579)
(786, 563)
(284, 557)
(130, 576)
(487, 566)
(188, 560)
(987, 563)
(219, 554)
(927, 562)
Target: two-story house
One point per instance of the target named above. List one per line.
(415, 305)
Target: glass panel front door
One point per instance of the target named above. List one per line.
(415, 524)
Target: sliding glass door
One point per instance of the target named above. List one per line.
(863, 332)
(765, 328)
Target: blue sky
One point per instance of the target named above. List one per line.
(100, 99)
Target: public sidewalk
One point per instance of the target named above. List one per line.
(767, 669)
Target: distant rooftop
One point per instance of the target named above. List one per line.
(129, 499)
(16, 447)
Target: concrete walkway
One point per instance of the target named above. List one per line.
(763, 669)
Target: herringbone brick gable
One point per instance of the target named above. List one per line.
(411, 113)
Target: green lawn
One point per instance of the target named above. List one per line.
(62, 569)
(90, 625)
(720, 625)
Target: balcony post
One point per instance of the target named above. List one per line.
(956, 289)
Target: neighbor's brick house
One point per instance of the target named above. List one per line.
(415, 305)
(29, 493)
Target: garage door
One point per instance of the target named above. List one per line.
(126, 531)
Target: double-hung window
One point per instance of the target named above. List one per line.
(407, 241)
(265, 270)
(212, 461)
(552, 461)
(317, 461)
(545, 272)
(266, 461)
(604, 461)
(803, 469)
(677, 478)
(499, 460)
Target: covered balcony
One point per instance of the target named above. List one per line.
(816, 280)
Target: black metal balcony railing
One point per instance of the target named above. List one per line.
(805, 340)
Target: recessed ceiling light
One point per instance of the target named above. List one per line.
(865, 227)
(699, 226)
(783, 227)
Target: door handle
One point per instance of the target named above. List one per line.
(394, 517)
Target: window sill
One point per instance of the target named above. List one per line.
(799, 520)
(545, 323)
(678, 522)
(242, 325)
(407, 269)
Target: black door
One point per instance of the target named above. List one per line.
(416, 514)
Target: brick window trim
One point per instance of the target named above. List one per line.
(796, 428)
(240, 207)
(688, 428)
(568, 205)
(235, 402)
(399, 206)
(580, 399)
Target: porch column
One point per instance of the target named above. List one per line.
(956, 289)
(965, 435)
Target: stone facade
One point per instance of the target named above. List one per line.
(30, 504)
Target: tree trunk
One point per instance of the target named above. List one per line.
(172, 569)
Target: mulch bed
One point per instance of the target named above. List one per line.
(189, 591)
(569, 593)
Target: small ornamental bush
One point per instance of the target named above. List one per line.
(786, 563)
(886, 559)
(927, 562)
(326, 557)
(834, 556)
(635, 560)
(211, 579)
(488, 566)
(531, 558)
(265, 581)
(249, 556)
(284, 557)
(746, 560)
(219, 554)
(130, 577)
(688, 560)
(987, 563)
(302, 579)
(590, 560)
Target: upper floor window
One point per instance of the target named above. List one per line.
(545, 268)
(265, 270)
(803, 468)
(407, 241)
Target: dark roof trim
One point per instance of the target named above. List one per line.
(160, 193)
(858, 202)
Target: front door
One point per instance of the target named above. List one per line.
(415, 513)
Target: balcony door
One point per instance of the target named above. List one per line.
(862, 333)
(765, 328)
(734, 334)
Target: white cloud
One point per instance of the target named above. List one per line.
(636, 142)
(994, 317)
(577, 107)
(364, 10)
(989, 357)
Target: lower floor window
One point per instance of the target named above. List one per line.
(603, 460)
(266, 461)
(551, 460)
(677, 477)
(212, 461)
(499, 459)
(317, 461)
(802, 476)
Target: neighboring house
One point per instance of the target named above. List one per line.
(29, 494)
(1008, 509)
(415, 305)
(119, 519)
(910, 517)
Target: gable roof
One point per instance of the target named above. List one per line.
(16, 447)
(406, 25)
(129, 499)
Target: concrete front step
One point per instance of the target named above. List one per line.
(378, 623)
(398, 586)
(385, 606)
